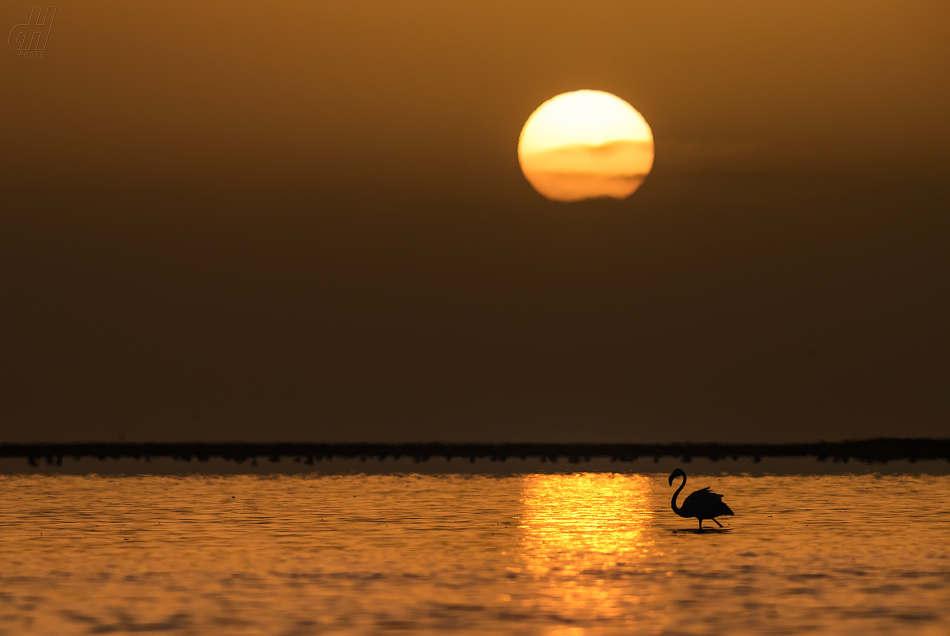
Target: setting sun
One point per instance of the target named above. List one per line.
(585, 144)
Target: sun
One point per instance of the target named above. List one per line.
(584, 145)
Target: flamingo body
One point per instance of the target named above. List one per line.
(702, 504)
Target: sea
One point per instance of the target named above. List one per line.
(558, 554)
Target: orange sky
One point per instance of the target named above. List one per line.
(302, 220)
(217, 91)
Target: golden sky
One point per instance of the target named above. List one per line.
(184, 92)
(307, 221)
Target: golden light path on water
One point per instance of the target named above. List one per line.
(577, 529)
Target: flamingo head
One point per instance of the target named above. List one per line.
(676, 473)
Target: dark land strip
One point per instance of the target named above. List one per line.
(868, 451)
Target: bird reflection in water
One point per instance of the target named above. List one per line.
(580, 534)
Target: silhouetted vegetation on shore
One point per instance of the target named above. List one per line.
(869, 451)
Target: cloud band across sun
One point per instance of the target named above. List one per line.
(585, 144)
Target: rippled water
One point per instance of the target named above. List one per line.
(526, 554)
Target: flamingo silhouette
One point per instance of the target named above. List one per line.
(702, 504)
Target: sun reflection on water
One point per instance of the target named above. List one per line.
(579, 532)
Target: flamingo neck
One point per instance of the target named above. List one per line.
(676, 508)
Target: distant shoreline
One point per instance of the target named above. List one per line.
(880, 450)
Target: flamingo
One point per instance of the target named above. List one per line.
(702, 504)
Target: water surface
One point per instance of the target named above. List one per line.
(588, 553)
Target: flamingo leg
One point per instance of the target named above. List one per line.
(717, 522)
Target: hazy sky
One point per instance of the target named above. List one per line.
(306, 221)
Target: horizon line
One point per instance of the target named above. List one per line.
(870, 450)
